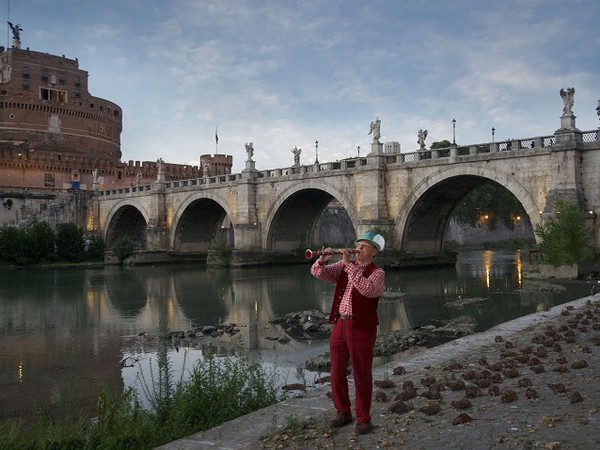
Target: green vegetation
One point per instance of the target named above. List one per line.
(565, 238)
(69, 242)
(95, 248)
(441, 144)
(219, 389)
(123, 248)
(491, 203)
(221, 247)
(40, 244)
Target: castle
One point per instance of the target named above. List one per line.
(56, 138)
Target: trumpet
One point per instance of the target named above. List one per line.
(309, 254)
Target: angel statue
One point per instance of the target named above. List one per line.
(568, 96)
(376, 130)
(421, 136)
(296, 151)
(16, 31)
(249, 151)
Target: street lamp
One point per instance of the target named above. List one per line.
(316, 152)
(358, 151)
(493, 133)
(453, 131)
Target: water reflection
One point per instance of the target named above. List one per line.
(63, 333)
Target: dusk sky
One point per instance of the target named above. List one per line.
(288, 73)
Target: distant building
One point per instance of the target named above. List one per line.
(52, 131)
(55, 136)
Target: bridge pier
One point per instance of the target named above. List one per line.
(157, 229)
(247, 236)
(247, 227)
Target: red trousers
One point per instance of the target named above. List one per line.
(348, 344)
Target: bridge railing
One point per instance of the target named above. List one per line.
(314, 168)
(353, 163)
(590, 136)
(490, 147)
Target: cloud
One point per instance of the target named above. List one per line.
(282, 74)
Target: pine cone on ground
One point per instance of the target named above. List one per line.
(462, 418)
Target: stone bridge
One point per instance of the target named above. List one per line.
(408, 197)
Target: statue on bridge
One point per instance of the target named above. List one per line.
(249, 151)
(296, 151)
(16, 31)
(568, 96)
(421, 136)
(159, 167)
(376, 130)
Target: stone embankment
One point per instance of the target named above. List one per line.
(533, 382)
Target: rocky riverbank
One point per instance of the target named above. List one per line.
(529, 383)
(316, 322)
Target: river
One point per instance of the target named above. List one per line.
(66, 333)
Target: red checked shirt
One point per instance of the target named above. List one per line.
(371, 287)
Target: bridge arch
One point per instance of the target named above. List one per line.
(424, 214)
(292, 218)
(198, 220)
(126, 218)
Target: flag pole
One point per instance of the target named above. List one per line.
(216, 140)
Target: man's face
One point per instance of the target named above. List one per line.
(366, 252)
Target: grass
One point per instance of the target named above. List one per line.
(219, 389)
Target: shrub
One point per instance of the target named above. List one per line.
(13, 245)
(69, 242)
(40, 242)
(221, 247)
(221, 389)
(95, 248)
(123, 248)
(565, 238)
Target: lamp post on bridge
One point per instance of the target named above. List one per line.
(316, 152)
(453, 131)
(493, 133)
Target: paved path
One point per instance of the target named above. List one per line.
(527, 412)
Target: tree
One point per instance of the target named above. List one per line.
(40, 242)
(492, 200)
(123, 248)
(441, 144)
(13, 245)
(95, 248)
(565, 238)
(69, 242)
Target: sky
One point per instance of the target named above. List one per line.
(288, 73)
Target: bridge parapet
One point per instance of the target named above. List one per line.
(345, 164)
(441, 155)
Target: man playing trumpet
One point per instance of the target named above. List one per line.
(359, 284)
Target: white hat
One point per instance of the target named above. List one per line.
(376, 239)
